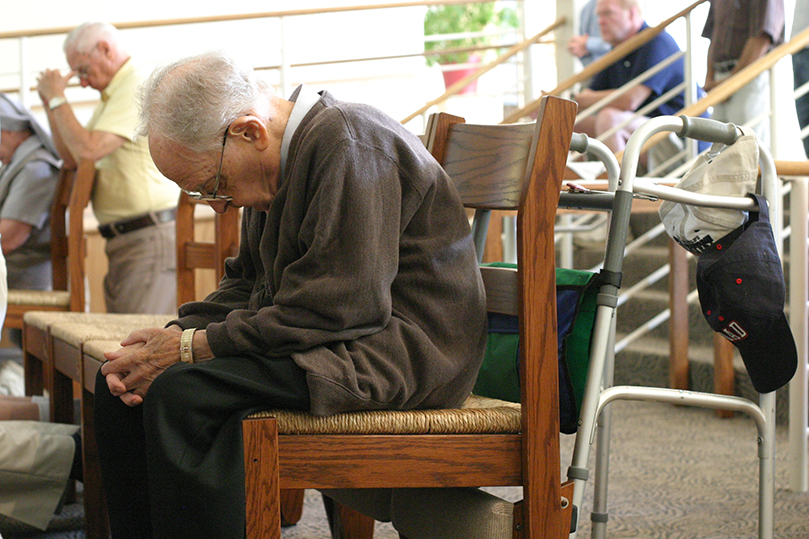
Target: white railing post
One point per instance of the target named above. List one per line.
(284, 71)
(799, 318)
(691, 94)
(525, 90)
(565, 65)
(773, 117)
(25, 72)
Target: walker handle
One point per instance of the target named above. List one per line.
(708, 130)
(579, 142)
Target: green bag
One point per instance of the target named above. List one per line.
(576, 293)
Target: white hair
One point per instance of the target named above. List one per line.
(84, 37)
(192, 101)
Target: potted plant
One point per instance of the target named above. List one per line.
(457, 19)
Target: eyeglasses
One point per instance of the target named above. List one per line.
(213, 197)
(82, 72)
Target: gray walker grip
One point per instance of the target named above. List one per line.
(708, 130)
(579, 142)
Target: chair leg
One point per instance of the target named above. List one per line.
(346, 523)
(95, 504)
(262, 492)
(291, 506)
(518, 528)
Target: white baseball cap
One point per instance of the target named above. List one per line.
(732, 171)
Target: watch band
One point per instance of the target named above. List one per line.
(56, 102)
(187, 345)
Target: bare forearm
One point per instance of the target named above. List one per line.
(588, 98)
(68, 158)
(80, 142)
(629, 100)
(754, 48)
(13, 234)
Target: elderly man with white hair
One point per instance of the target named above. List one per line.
(356, 287)
(134, 204)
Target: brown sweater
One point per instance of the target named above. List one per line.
(363, 271)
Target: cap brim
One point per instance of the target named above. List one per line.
(771, 358)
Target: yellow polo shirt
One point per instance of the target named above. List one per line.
(127, 183)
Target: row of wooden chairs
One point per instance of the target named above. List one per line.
(68, 250)
(56, 326)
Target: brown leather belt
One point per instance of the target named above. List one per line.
(110, 230)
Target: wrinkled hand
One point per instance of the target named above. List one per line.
(143, 356)
(51, 83)
(577, 45)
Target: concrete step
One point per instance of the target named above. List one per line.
(647, 304)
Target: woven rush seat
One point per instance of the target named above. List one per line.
(43, 298)
(96, 348)
(108, 327)
(46, 319)
(479, 415)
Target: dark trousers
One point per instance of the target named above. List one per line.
(800, 70)
(173, 467)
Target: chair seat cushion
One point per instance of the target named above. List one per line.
(45, 298)
(46, 319)
(105, 327)
(478, 415)
(97, 348)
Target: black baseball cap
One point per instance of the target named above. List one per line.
(741, 290)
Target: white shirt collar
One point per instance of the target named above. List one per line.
(305, 98)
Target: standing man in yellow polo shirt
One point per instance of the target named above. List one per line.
(134, 204)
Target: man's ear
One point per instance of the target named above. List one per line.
(104, 48)
(250, 129)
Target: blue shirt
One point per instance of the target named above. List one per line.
(643, 59)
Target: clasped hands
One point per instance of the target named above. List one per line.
(51, 83)
(143, 356)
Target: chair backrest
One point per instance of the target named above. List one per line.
(58, 222)
(488, 175)
(193, 254)
(522, 170)
(80, 194)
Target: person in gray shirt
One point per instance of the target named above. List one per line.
(28, 182)
(741, 32)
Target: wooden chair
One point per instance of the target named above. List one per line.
(474, 446)
(193, 254)
(67, 251)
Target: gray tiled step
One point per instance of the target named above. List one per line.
(646, 363)
(649, 303)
